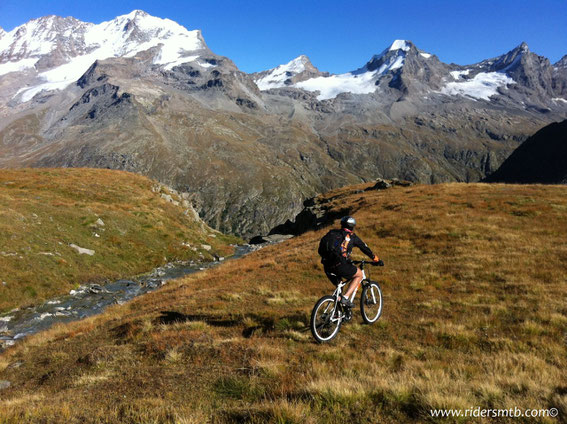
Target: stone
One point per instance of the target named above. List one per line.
(82, 250)
(99, 222)
(380, 185)
(4, 384)
(206, 247)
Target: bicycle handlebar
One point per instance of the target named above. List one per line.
(362, 262)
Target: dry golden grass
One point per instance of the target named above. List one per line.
(475, 316)
(44, 211)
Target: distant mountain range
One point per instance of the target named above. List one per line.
(145, 94)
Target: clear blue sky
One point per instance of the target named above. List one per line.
(338, 36)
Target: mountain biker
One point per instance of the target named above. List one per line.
(335, 257)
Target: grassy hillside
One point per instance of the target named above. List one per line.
(121, 216)
(475, 316)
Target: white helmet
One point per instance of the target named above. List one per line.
(348, 222)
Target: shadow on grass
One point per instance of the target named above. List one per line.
(263, 324)
(172, 317)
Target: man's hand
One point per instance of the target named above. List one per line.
(377, 261)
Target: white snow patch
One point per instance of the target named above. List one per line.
(398, 63)
(482, 86)
(458, 74)
(205, 64)
(425, 55)
(559, 99)
(179, 61)
(330, 87)
(20, 65)
(400, 45)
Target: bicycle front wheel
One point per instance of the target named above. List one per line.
(325, 319)
(371, 302)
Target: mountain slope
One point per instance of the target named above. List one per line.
(153, 99)
(129, 223)
(474, 277)
(539, 159)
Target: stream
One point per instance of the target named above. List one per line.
(92, 299)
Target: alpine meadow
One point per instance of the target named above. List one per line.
(169, 176)
(474, 315)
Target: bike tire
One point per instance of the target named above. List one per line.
(324, 326)
(371, 302)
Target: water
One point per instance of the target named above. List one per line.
(92, 299)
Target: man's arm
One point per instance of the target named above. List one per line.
(364, 248)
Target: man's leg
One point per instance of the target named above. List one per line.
(354, 283)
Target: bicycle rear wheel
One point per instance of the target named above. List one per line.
(371, 302)
(326, 319)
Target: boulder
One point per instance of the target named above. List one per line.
(82, 250)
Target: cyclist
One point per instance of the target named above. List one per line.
(335, 249)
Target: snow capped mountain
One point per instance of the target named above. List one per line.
(390, 59)
(299, 69)
(52, 52)
(361, 81)
(531, 74)
(59, 50)
(507, 62)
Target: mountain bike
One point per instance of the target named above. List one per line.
(329, 314)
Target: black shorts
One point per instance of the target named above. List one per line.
(345, 270)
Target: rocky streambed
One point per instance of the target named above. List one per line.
(92, 299)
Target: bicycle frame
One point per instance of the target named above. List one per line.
(339, 290)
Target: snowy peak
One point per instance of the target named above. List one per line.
(509, 61)
(296, 70)
(59, 50)
(140, 27)
(401, 45)
(394, 57)
(40, 37)
(125, 35)
(297, 65)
